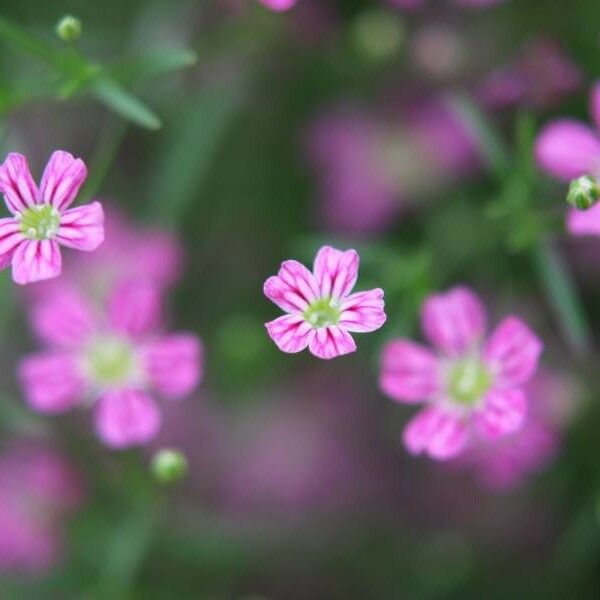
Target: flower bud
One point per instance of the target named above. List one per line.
(68, 29)
(169, 466)
(584, 192)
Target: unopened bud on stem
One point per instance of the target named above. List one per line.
(583, 192)
(68, 29)
(169, 465)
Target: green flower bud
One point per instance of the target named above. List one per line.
(584, 192)
(68, 29)
(169, 466)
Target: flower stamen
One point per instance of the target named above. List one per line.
(41, 222)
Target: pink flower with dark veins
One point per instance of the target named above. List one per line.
(116, 358)
(472, 387)
(42, 221)
(321, 308)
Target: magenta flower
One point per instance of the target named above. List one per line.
(38, 488)
(471, 388)
(278, 5)
(42, 219)
(321, 310)
(116, 358)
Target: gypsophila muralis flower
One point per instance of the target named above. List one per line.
(471, 388)
(321, 309)
(42, 221)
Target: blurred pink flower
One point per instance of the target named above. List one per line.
(371, 168)
(128, 253)
(38, 488)
(321, 308)
(507, 462)
(42, 220)
(116, 356)
(540, 76)
(567, 149)
(278, 5)
(471, 388)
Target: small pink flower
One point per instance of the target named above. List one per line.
(472, 388)
(42, 219)
(38, 488)
(116, 358)
(321, 310)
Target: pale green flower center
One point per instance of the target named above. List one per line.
(41, 222)
(468, 380)
(322, 313)
(110, 360)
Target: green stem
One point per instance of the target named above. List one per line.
(555, 277)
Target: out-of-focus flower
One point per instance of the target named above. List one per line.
(567, 149)
(371, 168)
(416, 4)
(507, 462)
(278, 5)
(439, 50)
(38, 488)
(42, 220)
(128, 253)
(321, 309)
(116, 356)
(540, 77)
(472, 388)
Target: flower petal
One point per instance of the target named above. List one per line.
(135, 307)
(36, 260)
(504, 412)
(512, 352)
(409, 372)
(52, 382)
(437, 433)
(454, 321)
(10, 238)
(174, 364)
(329, 342)
(584, 222)
(336, 271)
(294, 287)
(126, 418)
(62, 178)
(82, 228)
(63, 318)
(16, 183)
(291, 333)
(363, 311)
(567, 149)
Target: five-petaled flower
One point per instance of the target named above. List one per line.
(42, 219)
(472, 388)
(115, 356)
(321, 308)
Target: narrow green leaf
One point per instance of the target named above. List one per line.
(110, 93)
(188, 152)
(153, 64)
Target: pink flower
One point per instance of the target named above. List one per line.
(567, 149)
(114, 356)
(472, 389)
(278, 5)
(321, 310)
(38, 488)
(42, 219)
(540, 76)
